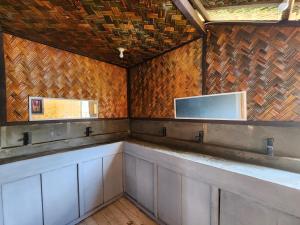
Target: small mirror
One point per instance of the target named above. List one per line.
(226, 106)
(61, 109)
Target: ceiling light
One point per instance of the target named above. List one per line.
(121, 50)
(283, 6)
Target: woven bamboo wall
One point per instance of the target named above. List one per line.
(34, 69)
(155, 83)
(265, 61)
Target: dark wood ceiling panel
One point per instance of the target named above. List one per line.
(96, 28)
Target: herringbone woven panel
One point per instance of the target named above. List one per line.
(96, 28)
(34, 69)
(264, 61)
(155, 83)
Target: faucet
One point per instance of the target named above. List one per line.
(164, 131)
(270, 146)
(200, 137)
(27, 138)
(88, 131)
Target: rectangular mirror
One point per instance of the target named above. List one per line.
(226, 106)
(61, 109)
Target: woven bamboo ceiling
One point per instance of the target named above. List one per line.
(96, 28)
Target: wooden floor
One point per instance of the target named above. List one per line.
(121, 212)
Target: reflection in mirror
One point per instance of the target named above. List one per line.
(226, 106)
(61, 109)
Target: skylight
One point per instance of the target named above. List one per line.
(247, 10)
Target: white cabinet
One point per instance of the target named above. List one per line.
(139, 181)
(91, 184)
(180, 199)
(60, 196)
(145, 184)
(238, 210)
(169, 196)
(1, 207)
(22, 202)
(59, 189)
(196, 202)
(112, 176)
(235, 210)
(130, 176)
(287, 220)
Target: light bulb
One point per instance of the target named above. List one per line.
(283, 6)
(121, 50)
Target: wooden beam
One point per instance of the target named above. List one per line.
(2, 81)
(292, 23)
(204, 64)
(201, 9)
(286, 13)
(189, 12)
(128, 93)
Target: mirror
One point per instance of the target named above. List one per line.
(61, 109)
(226, 106)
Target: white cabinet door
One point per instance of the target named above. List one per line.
(237, 210)
(284, 219)
(22, 202)
(112, 176)
(196, 202)
(1, 208)
(60, 196)
(91, 184)
(145, 184)
(130, 176)
(169, 196)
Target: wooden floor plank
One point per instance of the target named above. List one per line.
(101, 218)
(121, 212)
(90, 221)
(133, 212)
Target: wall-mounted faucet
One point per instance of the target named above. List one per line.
(270, 146)
(88, 131)
(200, 137)
(27, 138)
(164, 131)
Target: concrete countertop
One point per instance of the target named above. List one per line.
(278, 176)
(45, 153)
(281, 177)
(259, 183)
(274, 188)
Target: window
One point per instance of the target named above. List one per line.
(61, 109)
(226, 106)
